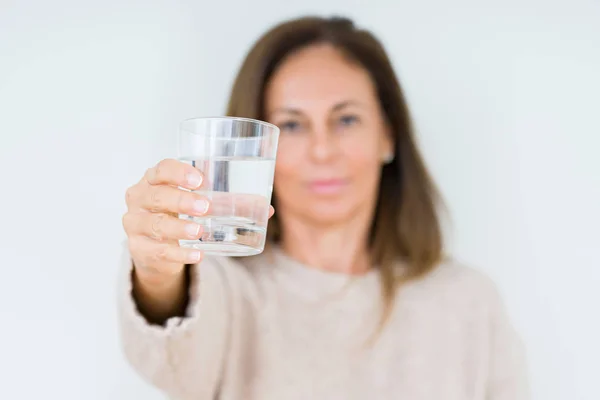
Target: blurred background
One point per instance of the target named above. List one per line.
(505, 97)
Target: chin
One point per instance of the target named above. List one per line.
(331, 213)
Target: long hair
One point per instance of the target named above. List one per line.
(405, 230)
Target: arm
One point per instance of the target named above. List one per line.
(183, 356)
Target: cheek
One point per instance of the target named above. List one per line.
(289, 164)
(363, 159)
(365, 168)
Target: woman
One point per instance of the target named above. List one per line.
(352, 299)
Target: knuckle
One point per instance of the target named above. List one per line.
(135, 245)
(137, 249)
(132, 246)
(160, 254)
(155, 200)
(159, 168)
(149, 175)
(130, 195)
(157, 228)
(126, 221)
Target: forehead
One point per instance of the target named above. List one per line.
(318, 76)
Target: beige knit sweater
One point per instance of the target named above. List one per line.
(269, 328)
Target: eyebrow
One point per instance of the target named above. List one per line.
(346, 103)
(339, 106)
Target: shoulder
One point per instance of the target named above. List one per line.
(453, 274)
(457, 285)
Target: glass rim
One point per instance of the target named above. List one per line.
(230, 118)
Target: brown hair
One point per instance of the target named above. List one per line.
(406, 226)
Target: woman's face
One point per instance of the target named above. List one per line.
(333, 136)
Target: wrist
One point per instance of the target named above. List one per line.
(160, 297)
(158, 280)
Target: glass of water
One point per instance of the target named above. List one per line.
(237, 158)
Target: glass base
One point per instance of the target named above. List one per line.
(221, 248)
(227, 236)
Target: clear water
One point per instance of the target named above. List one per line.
(239, 190)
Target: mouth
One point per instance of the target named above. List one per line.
(327, 186)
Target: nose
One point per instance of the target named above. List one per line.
(323, 146)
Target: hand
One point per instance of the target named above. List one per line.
(152, 224)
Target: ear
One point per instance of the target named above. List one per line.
(386, 146)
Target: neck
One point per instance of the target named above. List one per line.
(341, 247)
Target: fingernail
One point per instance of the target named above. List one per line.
(194, 256)
(192, 230)
(201, 206)
(194, 180)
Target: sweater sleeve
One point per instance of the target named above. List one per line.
(185, 356)
(508, 379)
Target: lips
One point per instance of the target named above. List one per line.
(327, 186)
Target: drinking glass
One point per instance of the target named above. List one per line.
(237, 158)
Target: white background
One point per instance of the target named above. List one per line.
(506, 99)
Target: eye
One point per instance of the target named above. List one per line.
(348, 120)
(290, 126)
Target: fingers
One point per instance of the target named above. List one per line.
(153, 236)
(271, 211)
(169, 199)
(151, 254)
(160, 227)
(175, 173)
